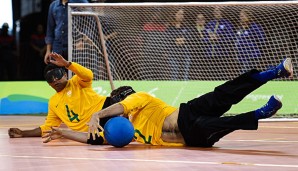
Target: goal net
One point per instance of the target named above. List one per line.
(182, 42)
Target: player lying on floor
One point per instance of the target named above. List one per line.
(117, 95)
(199, 122)
(74, 101)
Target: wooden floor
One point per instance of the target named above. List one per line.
(273, 147)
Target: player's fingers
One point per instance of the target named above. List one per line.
(10, 132)
(57, 56)
(93, 135)
(46, 135)
(100, 127)
(54, 54)
(51, 55)
(97, 133)
(14, 133)
(47, 140)
(92, 131)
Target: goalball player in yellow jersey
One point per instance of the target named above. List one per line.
(56, 133)
(73, 103)
(198, 122)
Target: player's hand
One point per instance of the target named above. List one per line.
(15, 133)
(94, 126)
(53, 134)
(58, 60)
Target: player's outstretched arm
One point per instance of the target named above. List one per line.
(57, 133)
(17, 133)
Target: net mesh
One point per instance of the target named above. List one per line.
(182, 41)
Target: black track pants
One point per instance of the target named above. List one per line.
(200, 120)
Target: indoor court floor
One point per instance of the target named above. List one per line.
(274, 146)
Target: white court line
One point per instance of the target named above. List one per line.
(279, 120)
(279, 127)
(266, 141)
(156, 161)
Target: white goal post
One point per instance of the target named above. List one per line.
(182, 42)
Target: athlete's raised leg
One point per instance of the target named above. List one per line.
(219, 101)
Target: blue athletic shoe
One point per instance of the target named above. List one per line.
(269, 109)
(284, 69)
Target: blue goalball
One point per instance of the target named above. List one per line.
(119, 131)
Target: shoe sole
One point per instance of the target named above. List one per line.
(289, 66)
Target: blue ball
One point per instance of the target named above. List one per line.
(119, 131)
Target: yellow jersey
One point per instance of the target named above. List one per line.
(147, 114)
(76, 103)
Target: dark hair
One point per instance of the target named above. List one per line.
(121, 93)
(50, 67)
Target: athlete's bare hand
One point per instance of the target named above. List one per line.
(94, 126)
(53, 134)
(15, 133)
(58, 60)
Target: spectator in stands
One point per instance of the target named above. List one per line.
(37, 43)
(220, 38)
(152, 37)
(199, 45)
(7, 55)
(179, 52)
(200, 29)
(57, 28)
(250, 37)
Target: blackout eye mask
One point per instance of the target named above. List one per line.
(121, 95)
(53, 74)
